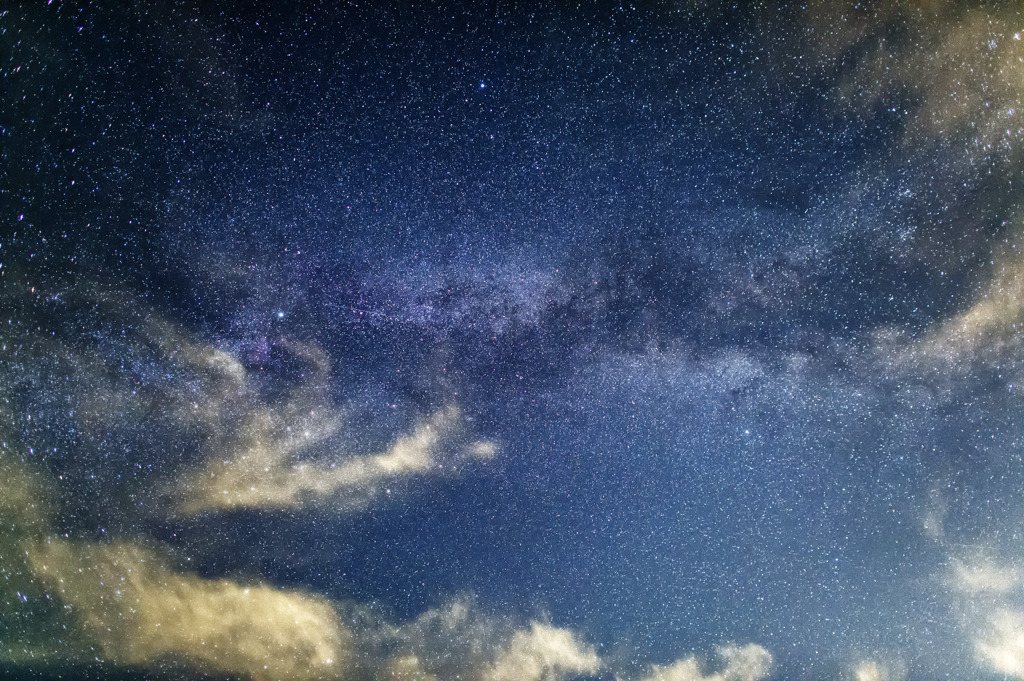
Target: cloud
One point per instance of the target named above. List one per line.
(452, 638)
(869, 671)
(25, 514)
(990, 326)
(963, 69)
(874, 671)
(740, 663)
(139, 608)
(140, 611)
(137, 379)
(989, 607)
(982, 577)
(989, 331)
(24, 506)
(1001, 647)
(542, 653)
(262, 473)
(457, 640)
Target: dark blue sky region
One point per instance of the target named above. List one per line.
(650, 342)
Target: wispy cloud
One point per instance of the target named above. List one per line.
(540, 653)
(989, 593)
(140, 610)
(739, 663)
(963, 67)
(988, 332)
(262, 473)
(1001, 646)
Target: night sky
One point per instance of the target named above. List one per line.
(667, 341)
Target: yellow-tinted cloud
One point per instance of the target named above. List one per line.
(994, 322)
(987, 331)
(25, 515)
(542, 653)
(1002, 646)
(964, 69)
(869, 671)
(456, 641)
(261, 473)
(984, 577)
(405, 668)
(127, 600)
(875, 671)
(24, 506)
(987, 597)
(740, 663)
(139, 611)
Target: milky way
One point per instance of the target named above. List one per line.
(423, 341)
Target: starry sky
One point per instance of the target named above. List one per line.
(553, 341)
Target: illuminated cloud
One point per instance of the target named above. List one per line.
(984, 577)
(140, 611)
(262, 472)
(253, 442)
(740, 663)
(869, 671)
(25, 515)
(24, 507)
(1002, 646)
(452, 638)
(406, 668)
(988, 599)
(456, 640)
(991, 325)
(875, 671)
(987, 331)
(147, 375)
(543, 653)
(964, 69)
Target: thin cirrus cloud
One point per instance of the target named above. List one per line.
(739, 663)
(261, 472)
(260, 466)
(990, 594)
(138, 610)
(963, 67)
(542, 652)
(992, 325)
(130, 601)
(988, 330)
(254, 450)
